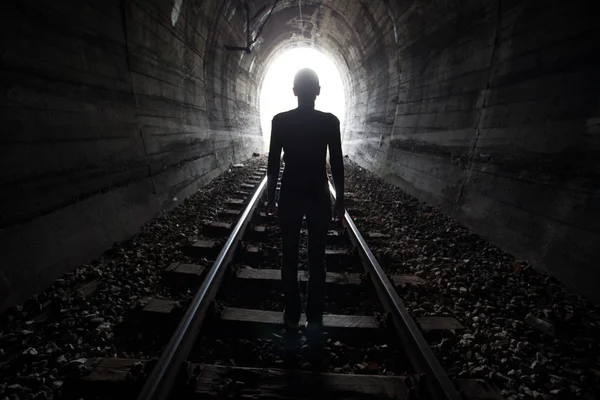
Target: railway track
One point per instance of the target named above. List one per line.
(229, 341)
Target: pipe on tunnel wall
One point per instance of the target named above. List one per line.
(488, 109)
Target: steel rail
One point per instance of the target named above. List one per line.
(415, 344)
(160, 382)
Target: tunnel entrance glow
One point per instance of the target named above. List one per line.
(276, 94)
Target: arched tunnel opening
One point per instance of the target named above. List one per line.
(116, 112)
(276, 93)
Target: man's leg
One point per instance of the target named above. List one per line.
(290, 224)
(317, 222)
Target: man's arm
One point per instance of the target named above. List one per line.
(337, 164)
(274, 160)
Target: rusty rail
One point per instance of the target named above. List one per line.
(159, 383)
(415, 345)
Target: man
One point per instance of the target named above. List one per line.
(304, 134)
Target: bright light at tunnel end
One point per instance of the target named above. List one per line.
(276, 93)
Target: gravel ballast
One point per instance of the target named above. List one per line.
(49, 339)
(489, 292)
(51, 336)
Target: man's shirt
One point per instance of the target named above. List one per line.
(304, 136)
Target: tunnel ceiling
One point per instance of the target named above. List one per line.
(356, 35)
(327, 25)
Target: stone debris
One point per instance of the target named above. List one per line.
(81, 316)
(489, 292)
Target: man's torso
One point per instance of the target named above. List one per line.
(305, 135)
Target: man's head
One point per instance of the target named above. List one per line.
(306, 84)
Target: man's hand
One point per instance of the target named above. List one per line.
(271, 208)
(338, 210)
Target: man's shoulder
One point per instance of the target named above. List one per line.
(283, 115)
(328, 117)
(295, 114)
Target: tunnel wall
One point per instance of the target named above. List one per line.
(496, 120)
(111, 111)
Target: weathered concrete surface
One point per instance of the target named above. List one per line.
(110, 109)
(497, 121)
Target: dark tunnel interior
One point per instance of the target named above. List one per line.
(113, 110)
(138, 254)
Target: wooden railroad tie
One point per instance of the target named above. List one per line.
(430, 324)
(342, 278)
(218, 228)
(377, 235)
(271, 383)
(228, 212)
(264, 317)
(261, 217)
(202, 248)
(235, 203)
(274, 276)
(333, 237)
(336, 254)
(184, 275)
(109, 374)
(160, 310)
(333, 321)
(407, 280)
(257, 232)
(255, 254)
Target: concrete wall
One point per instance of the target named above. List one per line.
(497, 121)
(110, 110)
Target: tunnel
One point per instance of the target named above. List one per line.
(116, 111)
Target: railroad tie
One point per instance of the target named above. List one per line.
(338, 278)
(253, 312)
(334, 237)
(235, 203)
(110, 374)
(183, 275)
(336, 255)
(217, 228)
(160, 314)
(202, 248)
(245, 316)
(258, 232)
(377, 235)
(273, 383)
(256, 254)
(229, 213)
(407, 280)
(430, 324)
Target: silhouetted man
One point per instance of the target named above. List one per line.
(304, 134)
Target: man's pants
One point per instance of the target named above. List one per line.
(318, 215)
